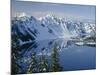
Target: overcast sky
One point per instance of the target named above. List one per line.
(61, 10)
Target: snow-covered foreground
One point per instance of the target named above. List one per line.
(71, 56)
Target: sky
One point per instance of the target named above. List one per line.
(38, 9)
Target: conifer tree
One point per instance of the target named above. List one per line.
(43, 65)
(55, 66)
(15, 56)
(33, 65)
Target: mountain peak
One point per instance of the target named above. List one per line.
(21, 14)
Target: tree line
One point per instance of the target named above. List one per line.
(42, 64)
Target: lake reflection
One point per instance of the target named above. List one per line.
(68, 56)
(72, 57)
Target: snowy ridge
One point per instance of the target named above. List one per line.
(28, 28)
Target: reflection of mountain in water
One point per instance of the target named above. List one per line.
(45, 47)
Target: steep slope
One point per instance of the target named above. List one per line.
(28, 28)
(55, 26)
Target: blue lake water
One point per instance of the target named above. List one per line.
(78, 58)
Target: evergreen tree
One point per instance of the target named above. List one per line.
(43, 65)
(33, 65)
(14, 55)
(55, 66)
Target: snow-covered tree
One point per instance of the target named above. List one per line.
(15, 67)
(43, 65)
(55, 66)
(33, 65)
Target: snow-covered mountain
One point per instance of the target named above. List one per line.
(28, 28)
(40, 35)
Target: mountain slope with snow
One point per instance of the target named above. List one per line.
(28, 28)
